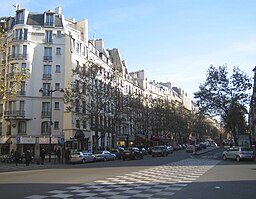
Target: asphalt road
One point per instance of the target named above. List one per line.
(183, 176)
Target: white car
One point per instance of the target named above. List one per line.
(82, 157)
(237, 153)
(106, 155)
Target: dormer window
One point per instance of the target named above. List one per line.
(49, 19)
(20, 17)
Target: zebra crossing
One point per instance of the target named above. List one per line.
(155, 182)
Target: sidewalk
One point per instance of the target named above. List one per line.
(4, 167)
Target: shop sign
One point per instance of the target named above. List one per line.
(27, 140)
(45, 140)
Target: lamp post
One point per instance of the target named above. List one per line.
(42, 90)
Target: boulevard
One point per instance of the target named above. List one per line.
(179, 175)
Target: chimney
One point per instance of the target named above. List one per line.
(58, 10)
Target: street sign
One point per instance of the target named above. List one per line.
(17, 140)
(62, 140)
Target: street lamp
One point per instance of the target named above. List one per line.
(42, 90)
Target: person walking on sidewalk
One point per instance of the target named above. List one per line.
(42, 156)
(17, 157)
(28, 157)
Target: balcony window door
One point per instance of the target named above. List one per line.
(45, 127)
(12, 106)
(20, 18)
(48, 36)
(46, 89)
(49, 19)
(25, 50)
(48, 53)
(46, 109)
(47, 72)
(22, 127)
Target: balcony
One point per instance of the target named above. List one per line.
(17, 57)
(47, 76)
(46, 114)
(14, 113)
(48, 58)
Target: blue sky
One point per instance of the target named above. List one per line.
(172, 40)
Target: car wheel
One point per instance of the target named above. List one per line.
(224, 157)
(114, 158)
(105, 159)
(238, 158)
(83, 161)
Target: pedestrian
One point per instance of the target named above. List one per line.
(17, 157)
(58, 153)
(67, 155)
(28, 157)
(42, 156)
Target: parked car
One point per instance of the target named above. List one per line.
(118, 152)
(89, 157)
(159, 151)
(132, 153)
(238, 153)
(107, 155)
(77, 157)
(191, 149)
(170, 149)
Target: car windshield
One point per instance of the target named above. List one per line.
(245, 149)
(157, 147)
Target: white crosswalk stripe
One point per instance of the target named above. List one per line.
(156, 182)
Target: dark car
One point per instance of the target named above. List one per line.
(159, 151)
(118, 152)
(132, 153)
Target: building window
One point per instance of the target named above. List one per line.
(46, 89)
(20, 17)
(56, 125)
(23, 67)
(45, 127)
(47, 72)
(22, 127)
(18, 34)
(77, 47)
(58, 51)
(57, 86)
(57, 106)
(84, 125)
(46, 109)
(78, 124)
(25, 34)
(83, 51)
(57, 69)
(49, 19)
(59, 34)
(48, 54)
(48, 36)
(25, 50)
(84, 107)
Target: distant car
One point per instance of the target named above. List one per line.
(77, 157)
(118, 152)
(132, 153)
(238, 153)
(89, 157)
(191, 149)
(106, 155)
(159, 151)
(170, 149)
